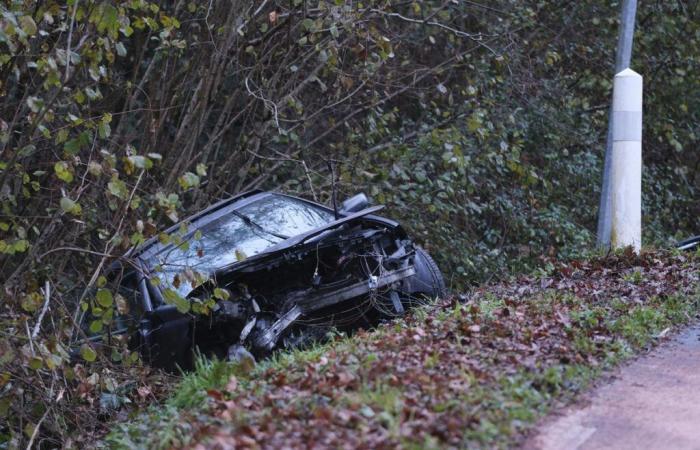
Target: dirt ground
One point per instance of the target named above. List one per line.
(652, 403)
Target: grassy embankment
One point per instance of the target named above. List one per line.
(475, 370)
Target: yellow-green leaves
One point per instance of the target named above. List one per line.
(117, 188)
(106, 18)
(474, 122)
(32, 301)
(103, 130)
(28, 25)
(240, 255)
(88, 353)
(63, 171)
(96, 326)
(137, 162)
(104, 298)
(70, 206)
(169, 203)
(10, 248)
(172, 297)
(188, 180)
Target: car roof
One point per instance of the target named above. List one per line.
(139, 249)
(208, 215)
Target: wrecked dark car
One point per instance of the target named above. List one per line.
(264, 270)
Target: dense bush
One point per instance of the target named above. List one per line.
(480, 125)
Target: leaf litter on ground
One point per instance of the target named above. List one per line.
(475, 370)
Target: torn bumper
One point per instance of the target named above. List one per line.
(314, 300)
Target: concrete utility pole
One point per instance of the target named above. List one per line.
(622, 62)
(626, 167)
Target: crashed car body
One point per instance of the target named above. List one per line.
(278, 271)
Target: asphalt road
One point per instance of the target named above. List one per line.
(652, 403)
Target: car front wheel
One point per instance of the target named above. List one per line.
(428, 279)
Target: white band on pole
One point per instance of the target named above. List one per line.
(626, 167)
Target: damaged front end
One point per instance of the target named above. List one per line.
(336, 272)
(353, 276)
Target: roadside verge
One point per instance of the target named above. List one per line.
(475, 370)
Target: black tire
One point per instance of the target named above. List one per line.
(428, 279)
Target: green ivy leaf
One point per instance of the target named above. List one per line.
(31, 302)
(308, 24)
(109, 20)
(188, 180)
(88, 353)
(104, 298)
(140, 162)
(172, 297)
(61, 136)
(20, 246)
(28, 25)
(62, 171)
(35, 363)
(70, 206)
(96, 326)
(104, 130)
(72, 146)
(117, 188)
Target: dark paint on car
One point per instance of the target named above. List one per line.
(292, 270)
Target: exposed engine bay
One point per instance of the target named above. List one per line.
(351, 276)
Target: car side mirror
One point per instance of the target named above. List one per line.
(355, 203)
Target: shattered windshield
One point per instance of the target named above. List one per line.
(234, 237)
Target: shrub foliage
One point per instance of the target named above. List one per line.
(481, 125)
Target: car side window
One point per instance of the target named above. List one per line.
(116, 308)
(232, 238)
(128, 303)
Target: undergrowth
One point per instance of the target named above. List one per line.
(473, 373)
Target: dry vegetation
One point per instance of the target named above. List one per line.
(471, 371)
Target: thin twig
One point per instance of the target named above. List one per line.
(476, 37)
(29, 336)
(47, 297)
(308, 177)
(206, 22)
(70, 36)
(269, 104)
(76, 249)
(242, 26)
(36, 428)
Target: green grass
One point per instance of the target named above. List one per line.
(486, 401)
